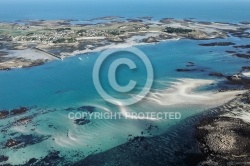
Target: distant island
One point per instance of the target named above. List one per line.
(34, 42)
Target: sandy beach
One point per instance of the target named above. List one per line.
(63, 39)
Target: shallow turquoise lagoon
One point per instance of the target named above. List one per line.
(57, 88)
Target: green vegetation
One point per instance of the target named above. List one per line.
(59, 41)
(63, 40)
(114, 32)
(176, 30)
(30, 34)
(71, 40)
(82, 31)
(63, 29)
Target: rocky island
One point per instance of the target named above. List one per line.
(224, 139)
(34, 42)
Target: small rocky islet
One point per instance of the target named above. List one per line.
(14, 112)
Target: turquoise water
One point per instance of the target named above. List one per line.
(67, 82)
(59, 87)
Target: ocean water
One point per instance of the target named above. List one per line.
(57, 88)
(62, 83)
(210, 10)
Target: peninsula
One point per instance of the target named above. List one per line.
(34, 42)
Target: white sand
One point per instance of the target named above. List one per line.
(247, 74)
(182, 92)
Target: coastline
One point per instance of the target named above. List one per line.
(26, 56)
(165, 147)
(224, 138)
(36, 42)
(144, 148)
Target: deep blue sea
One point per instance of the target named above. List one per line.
(209, 10)
(51, 90)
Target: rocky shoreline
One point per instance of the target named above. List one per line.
(225, 138)
(34, 42)
(209, 138)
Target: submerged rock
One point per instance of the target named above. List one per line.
(242, 46)
(3, 158)
(82, 121)
(32, 161)
(185, 70)
(138, 138)
(190, 64)
(218, 44)
(246, 56)
(89, 109)
(52, 158)
(23, 141)
(230, 52)
(216, 74)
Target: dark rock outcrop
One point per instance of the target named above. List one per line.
(11, 143)
(246, 56)
(238, 80)
(242, 46)
(19, 111)
(185, 70)
(190, 64)
(52, 158)
(246, 68)
(230, 52)
(240, 33)
(3, 158)
(89, 109)
(82, 121)
(216, 74)
(150, 40)
(4, 114)
(224, 140)
(218, 44)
